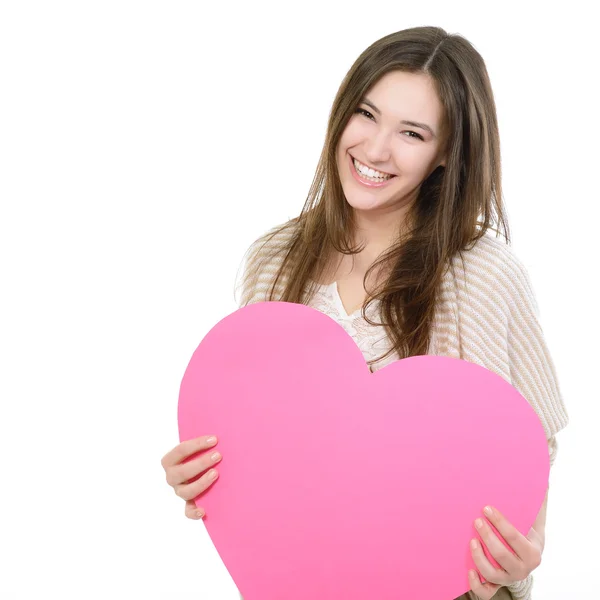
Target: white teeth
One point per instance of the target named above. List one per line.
(370, 173)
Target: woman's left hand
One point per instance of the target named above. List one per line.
(515, 567)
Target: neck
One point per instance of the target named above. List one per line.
(378, 230)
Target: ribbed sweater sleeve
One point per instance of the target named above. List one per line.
(531, 366)
(499, 327)
(532, 371)
(260, 265)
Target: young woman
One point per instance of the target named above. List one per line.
(395, 242)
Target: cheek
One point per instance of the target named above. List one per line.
(411, 161)
(354, 133)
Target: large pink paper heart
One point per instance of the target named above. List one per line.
(341, 483)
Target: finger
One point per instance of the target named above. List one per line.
(185, 472)
(522, 547)
(497, 547)
(485, 591)
(536, 539)
(485, 567)
(191, 491)
(192, 511)
(187, 448)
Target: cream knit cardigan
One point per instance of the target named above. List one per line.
(487, 314)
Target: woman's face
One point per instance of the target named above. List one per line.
(377, 137)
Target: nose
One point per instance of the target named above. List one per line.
(377, 148)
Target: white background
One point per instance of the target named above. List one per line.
(144, 146)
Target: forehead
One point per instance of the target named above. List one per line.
(400, 95)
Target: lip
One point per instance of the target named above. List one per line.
(370, 184)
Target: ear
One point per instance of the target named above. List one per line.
(442, 162)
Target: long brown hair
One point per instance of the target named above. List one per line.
(455, 205)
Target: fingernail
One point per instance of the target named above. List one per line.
(212, 474)
(478, 523)
(215, 457)
(474, 544)
(211, 440)
(488, 511)
(199, 514)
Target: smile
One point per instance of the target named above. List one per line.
(366, 178)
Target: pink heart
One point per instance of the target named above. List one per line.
(341, 483)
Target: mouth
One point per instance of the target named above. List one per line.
(367, 167)
(365, 180)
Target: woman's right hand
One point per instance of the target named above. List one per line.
(180, 474)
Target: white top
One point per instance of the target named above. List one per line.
(372, 340)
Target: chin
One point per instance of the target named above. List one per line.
(364, 203)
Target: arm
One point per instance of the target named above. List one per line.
(522, 589)
(533, 373)
(540, 521)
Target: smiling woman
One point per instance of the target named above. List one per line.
(395, 243)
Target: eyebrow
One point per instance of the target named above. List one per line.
(411, 123)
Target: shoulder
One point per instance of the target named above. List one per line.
(492, 268)
(275, 239)
(495, 255)
(262, 260)
(269, 249)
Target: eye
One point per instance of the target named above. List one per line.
(362, 111)
(419, 136)
(367, 114)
